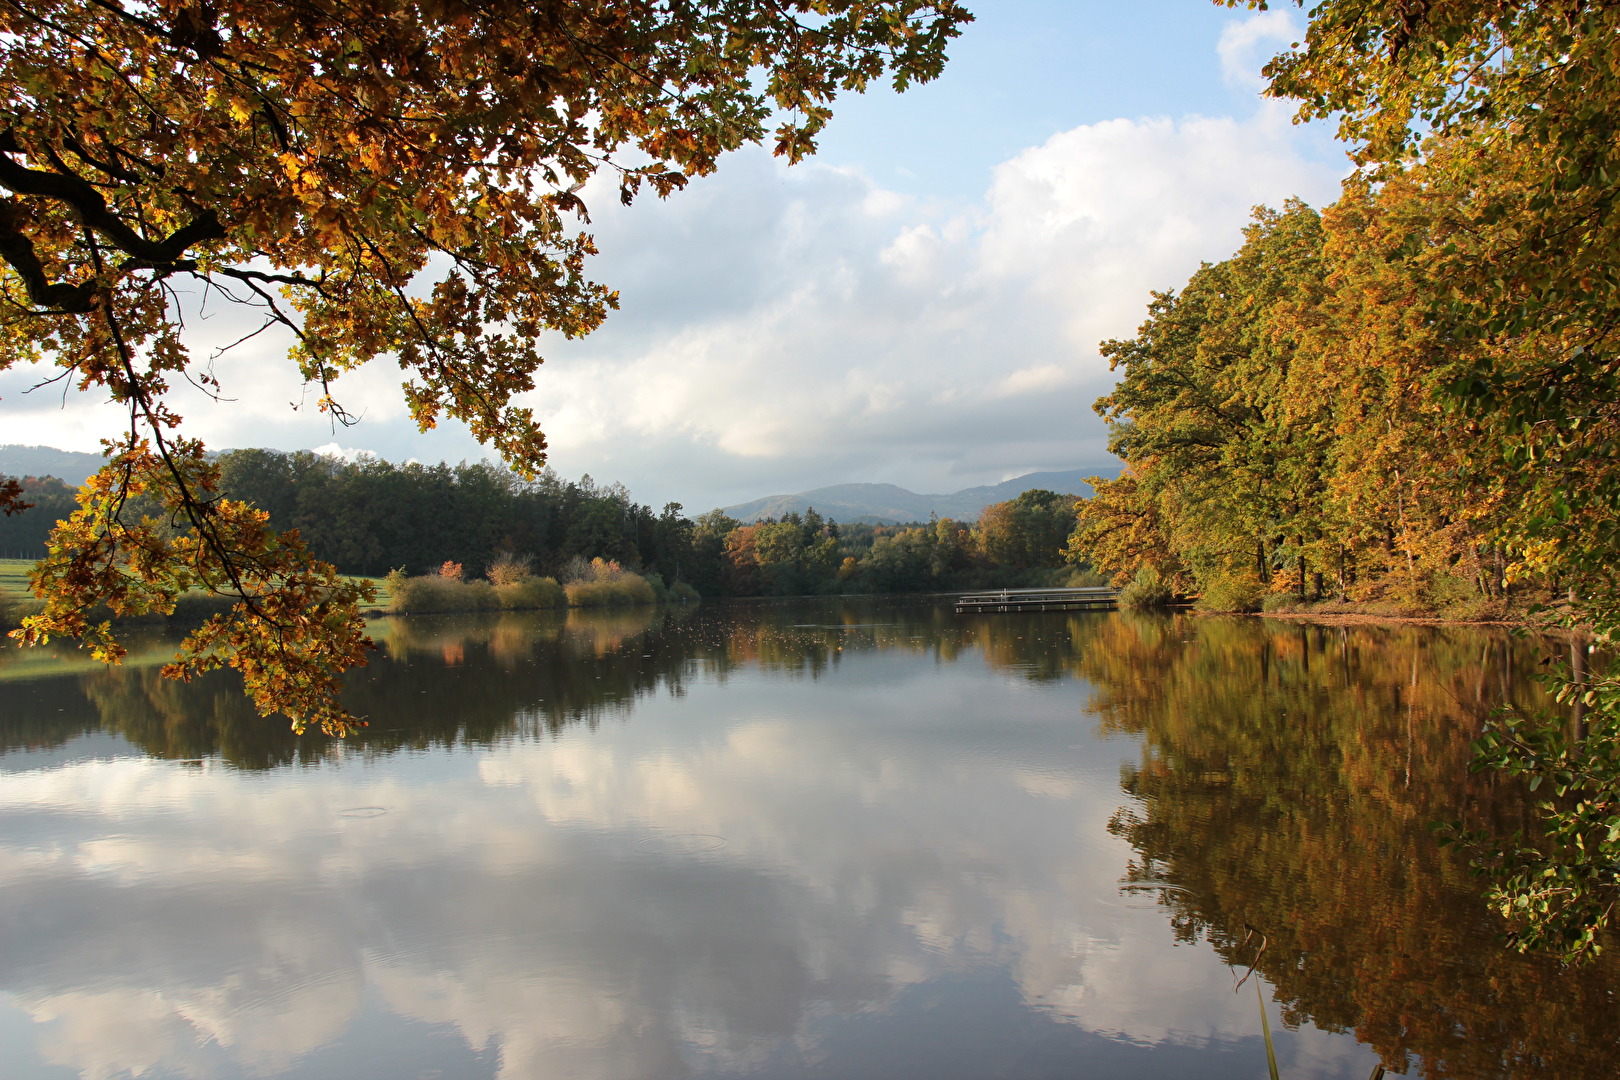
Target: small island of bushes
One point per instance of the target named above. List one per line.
(511, 585)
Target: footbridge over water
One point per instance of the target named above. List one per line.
(1096, 598)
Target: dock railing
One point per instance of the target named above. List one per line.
(1084, 598)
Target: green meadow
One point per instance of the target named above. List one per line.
(14, 576)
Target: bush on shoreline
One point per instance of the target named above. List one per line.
(599, 583)
(1242, 594)
(435, 593)
(12, 610)
(1147, 590)
(622, 591)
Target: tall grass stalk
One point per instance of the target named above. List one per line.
(1265, 1028)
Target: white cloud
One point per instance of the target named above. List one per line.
(802, 323)
(1247, 45)
(785, 328)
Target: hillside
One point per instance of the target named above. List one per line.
(66, 465)
(889, 504)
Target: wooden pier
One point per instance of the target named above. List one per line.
(1100, 598)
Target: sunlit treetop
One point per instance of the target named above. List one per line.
(1395, 73)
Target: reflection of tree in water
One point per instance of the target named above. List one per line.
(473, 680)
(451, 681)
(1288, 777)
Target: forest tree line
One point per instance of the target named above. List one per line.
(369, 517)
(1298, 426)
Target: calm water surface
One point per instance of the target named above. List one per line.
(795, 840)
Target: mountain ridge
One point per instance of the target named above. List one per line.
(73, 467)
(890, 504)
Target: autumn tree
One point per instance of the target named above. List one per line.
(371, 179)
(1507, 111)
(1510, 109)
(1028, 531)
(1226, 435)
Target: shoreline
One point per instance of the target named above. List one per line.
(1359, 618)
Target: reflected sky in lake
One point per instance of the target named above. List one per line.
(758, 840)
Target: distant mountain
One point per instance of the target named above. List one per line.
(66, 465)
(887, 504)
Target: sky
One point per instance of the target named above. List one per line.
(920, 304)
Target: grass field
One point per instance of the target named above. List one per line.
(14, 576)
(14, 580)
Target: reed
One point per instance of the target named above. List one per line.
(435, 594)
(622, 590)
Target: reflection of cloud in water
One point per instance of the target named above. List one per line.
(877, 836)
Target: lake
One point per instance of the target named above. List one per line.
(851, 840)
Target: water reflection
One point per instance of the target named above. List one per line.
(476, 680)
(776, 840)
(1300, 808)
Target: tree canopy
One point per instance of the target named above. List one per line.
(375, 179)
(1423, 400)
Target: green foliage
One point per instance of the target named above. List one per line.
(1557, 886)
(1489, 258)
(369, 516)
(1146, 590)
(1029, 531)
(1236, 593)
(12, 609)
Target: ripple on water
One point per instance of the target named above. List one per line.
(680, 843)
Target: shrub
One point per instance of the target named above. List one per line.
(530, 594)
(433, 593)
(1475, 609)
(507, 568)
(620, 590)
(1148, 590)
(415, 594)
(392, 582)
(1284, 602)
(682, 593)
(575, 568)
(659, 591)
(11, 612)
(1241, 593)
(450, 571)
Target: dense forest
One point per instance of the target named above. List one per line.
(1293, 426)
(369, 517)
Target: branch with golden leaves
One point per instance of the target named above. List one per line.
(139, 541)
